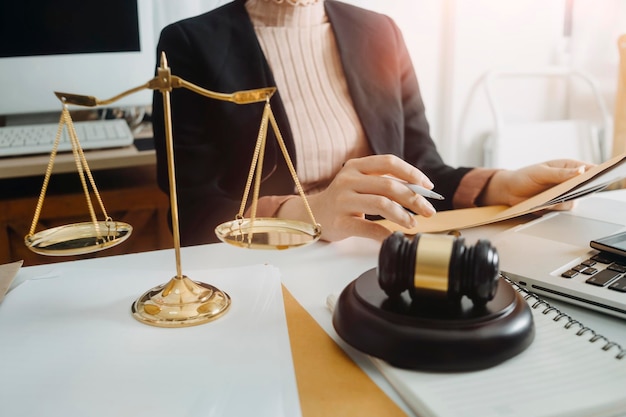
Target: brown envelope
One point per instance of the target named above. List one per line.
(329, 382)
(7, 274)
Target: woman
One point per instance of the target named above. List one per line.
(348, 106)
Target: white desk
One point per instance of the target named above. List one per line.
(310, 274)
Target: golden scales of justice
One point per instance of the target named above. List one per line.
(180, 302)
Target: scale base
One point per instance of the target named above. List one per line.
(433, 335)
(180, 303)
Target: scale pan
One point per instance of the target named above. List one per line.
(268, 233)
(78, 238)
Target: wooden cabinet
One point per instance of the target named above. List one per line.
(129, 195)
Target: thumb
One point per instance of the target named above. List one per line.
(563, 174)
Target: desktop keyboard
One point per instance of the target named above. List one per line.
(39, 138)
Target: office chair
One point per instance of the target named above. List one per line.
(516, 144)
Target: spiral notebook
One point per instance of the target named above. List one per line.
(568, 370)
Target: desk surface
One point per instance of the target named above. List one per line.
(26, 166)
(309, 273)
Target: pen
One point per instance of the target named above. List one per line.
(418, 189)
(424, 192)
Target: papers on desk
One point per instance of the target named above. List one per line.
(70, 347)
(593, 180)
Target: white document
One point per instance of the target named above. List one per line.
(70, 347)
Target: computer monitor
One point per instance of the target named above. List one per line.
(93, 48)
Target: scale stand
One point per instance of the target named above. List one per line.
(181, 301)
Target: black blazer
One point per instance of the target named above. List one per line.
(214, 140)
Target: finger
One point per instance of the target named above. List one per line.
(355, 226)
(568, 163)
(389, 165)
(395, 191)
(567, 173)
(548, 175)
(386, 208)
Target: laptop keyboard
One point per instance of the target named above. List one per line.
(603, 269)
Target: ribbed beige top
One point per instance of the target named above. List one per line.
(300, 47)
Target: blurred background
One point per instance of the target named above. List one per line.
(454, 44)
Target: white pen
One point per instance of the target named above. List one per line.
(418, 189)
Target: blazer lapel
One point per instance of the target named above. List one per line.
(369, 65)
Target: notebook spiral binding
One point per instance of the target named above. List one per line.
(582, 329)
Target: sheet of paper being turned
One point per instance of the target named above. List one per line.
(7, 275)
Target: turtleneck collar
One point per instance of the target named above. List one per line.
(290, 13)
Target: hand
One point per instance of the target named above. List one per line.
(511, 187)
(359, 188)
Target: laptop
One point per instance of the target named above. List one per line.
(551, 256)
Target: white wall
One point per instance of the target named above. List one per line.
(491, 34)
(523, 35)
(465, 38)
(454, 42)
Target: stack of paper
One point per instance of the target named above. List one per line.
(70, 347)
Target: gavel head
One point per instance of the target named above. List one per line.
(438, 266)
